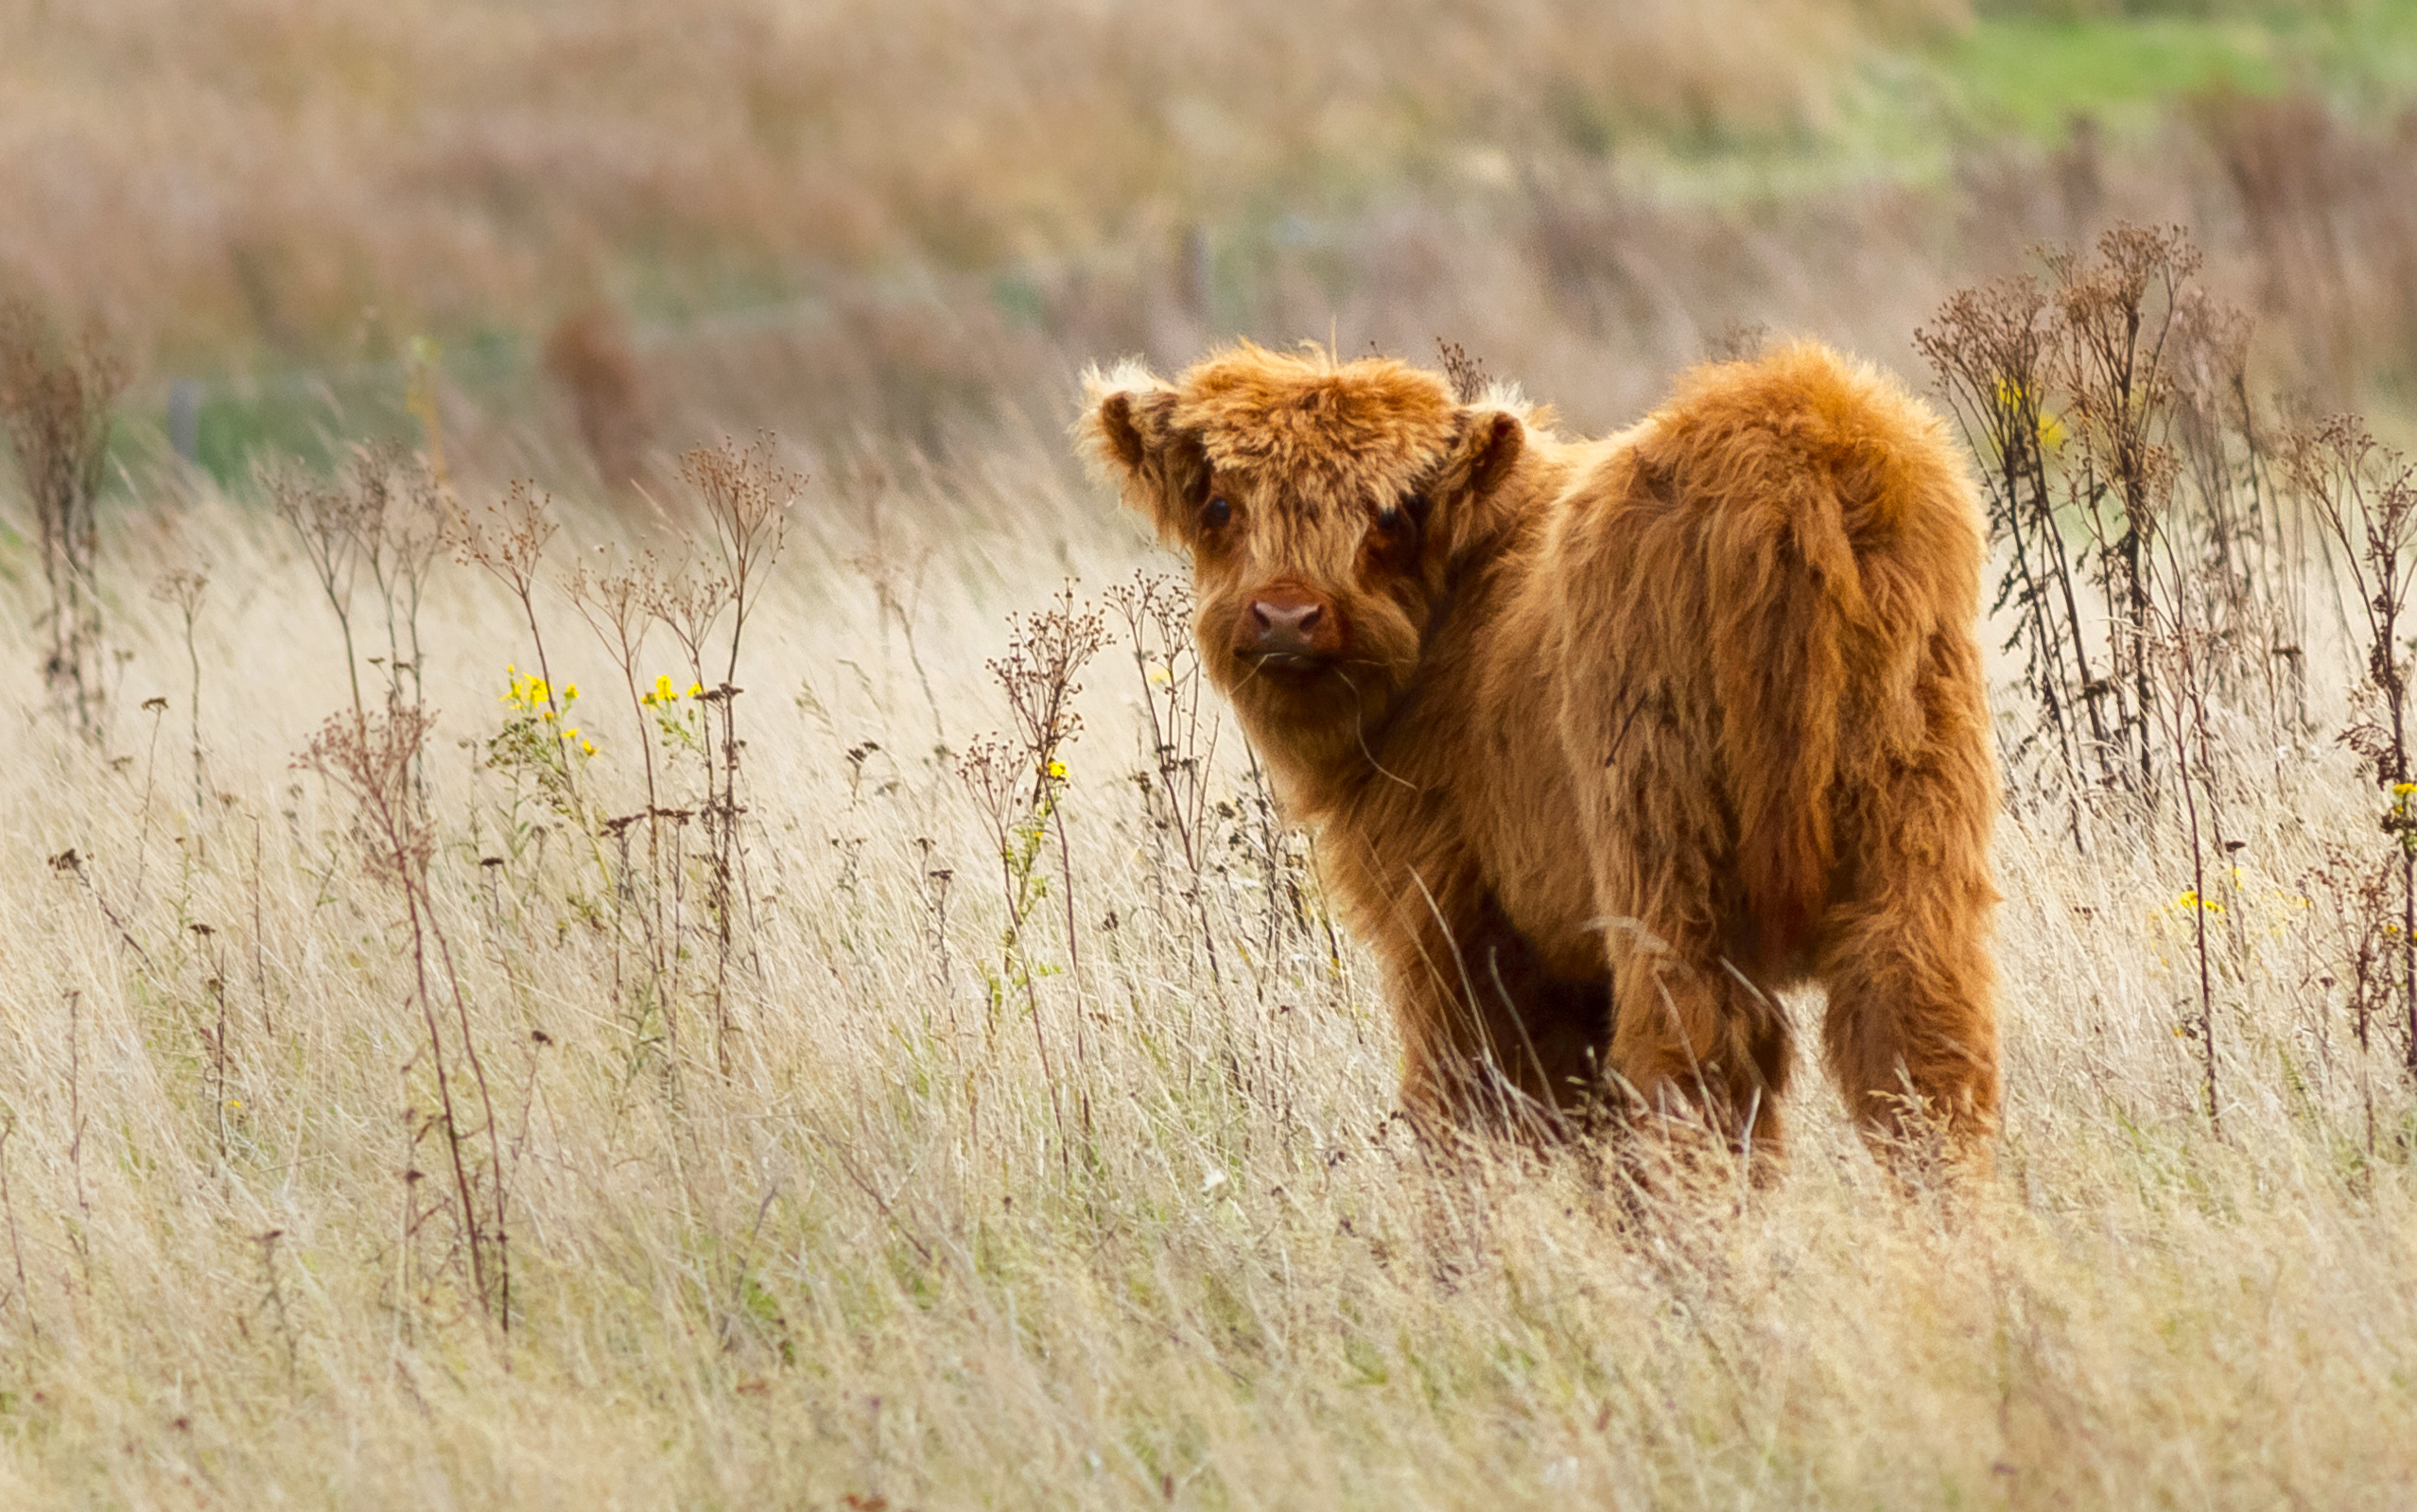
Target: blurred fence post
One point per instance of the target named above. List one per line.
(185, 418)
(1198, 270)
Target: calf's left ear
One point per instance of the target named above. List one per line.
(1466, 489)
(1129, 435)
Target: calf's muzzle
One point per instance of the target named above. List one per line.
(1286, 627)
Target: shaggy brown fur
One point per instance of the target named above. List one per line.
(1696, 710)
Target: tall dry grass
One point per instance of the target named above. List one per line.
(912, 1067)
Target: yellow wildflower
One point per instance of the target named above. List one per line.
(694, 689)
(1057, 772)
(2011, 399)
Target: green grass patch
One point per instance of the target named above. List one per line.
(2034, 72)
(2034, 76)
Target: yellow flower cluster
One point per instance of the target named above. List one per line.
(2009, 400)
(663, 694)
(531, 694)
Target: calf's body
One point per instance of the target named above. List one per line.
(1607, 743)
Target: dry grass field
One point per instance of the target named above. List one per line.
(778, 987)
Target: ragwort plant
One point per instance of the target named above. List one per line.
(2128, 482)
(689, 741)
(2117, 316)
(1180, 736)
(1020, 784)
(1009, 796)
(375, 762)
(616, 602)
(1989, 348)
(1045, 653)
(378, 531)
(508, 540)
(2364, 496)
(185, 588)
(385, 517)
(57, 395)
(2158, 563)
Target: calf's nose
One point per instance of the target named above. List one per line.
(1286, 627)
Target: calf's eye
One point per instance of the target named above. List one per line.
(1389, 518)
(1217, 512)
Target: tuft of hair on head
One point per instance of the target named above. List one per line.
(1507, 396)
(1104, 428)
(1126, 374)
(1127, 437)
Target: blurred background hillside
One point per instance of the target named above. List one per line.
(595, 230)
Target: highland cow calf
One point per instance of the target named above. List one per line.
(1604, 743)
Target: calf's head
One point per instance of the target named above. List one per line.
(1325, 506)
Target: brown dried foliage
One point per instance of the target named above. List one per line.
(375, 761)
(57, 392)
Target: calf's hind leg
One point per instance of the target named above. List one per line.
(1690, 1043)
(1692, 1035)
(1911, 1032)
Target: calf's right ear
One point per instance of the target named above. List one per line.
(1129, 435)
